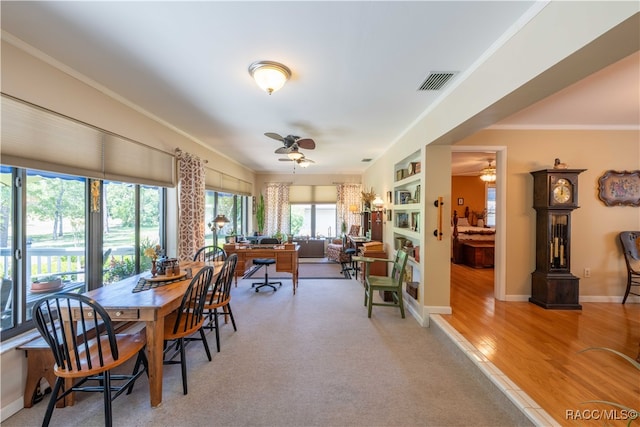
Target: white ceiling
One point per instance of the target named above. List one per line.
(356, 69)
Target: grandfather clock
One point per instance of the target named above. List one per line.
(555, 196)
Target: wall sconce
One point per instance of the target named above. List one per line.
(270, 76)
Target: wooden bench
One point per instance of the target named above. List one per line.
(40, 362)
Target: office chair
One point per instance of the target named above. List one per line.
(266, 262)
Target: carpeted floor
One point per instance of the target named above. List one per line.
(306, 270)
(313, 359)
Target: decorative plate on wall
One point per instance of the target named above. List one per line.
(620, 188)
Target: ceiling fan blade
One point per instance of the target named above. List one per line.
(306, 159)
(282, 150)
(274, 136)
(306, 143)
(285, 159)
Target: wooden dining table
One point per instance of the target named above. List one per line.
(148, 306)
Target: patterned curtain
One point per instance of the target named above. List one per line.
(349, 197)
(277, 215)
(191, 207)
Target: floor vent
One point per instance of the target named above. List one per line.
(436, 80)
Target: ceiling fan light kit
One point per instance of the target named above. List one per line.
(295, 155)
(269, 75)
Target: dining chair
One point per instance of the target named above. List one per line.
(219, 297)
(392, 284)
(630, 241)
(87, 349)
(181, 324)
(210, 253)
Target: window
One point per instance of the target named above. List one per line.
(51, 232)
(314, 220)
(234, 207)
(125, 229)
(491, 205)
(6, 247)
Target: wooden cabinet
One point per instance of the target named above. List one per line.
(311, 248)
(478, 254)
(372, 221)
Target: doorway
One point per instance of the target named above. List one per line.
(469, 161)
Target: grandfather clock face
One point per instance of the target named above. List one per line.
(561, 191)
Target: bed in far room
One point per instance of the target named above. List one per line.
(472, 244)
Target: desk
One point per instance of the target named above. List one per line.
(286, 259)
(151, 307)
(356, 241)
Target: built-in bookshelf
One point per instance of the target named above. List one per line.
(407, 213)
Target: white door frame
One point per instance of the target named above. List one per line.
(500, 273)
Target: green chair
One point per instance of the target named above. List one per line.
(392, 284)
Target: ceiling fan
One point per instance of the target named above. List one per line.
(291, 142)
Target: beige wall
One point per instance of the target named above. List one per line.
(304, 177)
(594, 225)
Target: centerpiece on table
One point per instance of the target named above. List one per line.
(153, 253)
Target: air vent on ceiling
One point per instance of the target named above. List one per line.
(436, 80)
(366, 160)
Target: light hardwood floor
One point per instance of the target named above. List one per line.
(538, 349)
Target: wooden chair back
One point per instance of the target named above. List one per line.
(399, 265)
(630, 241)
(210, 253)
(221, 292)
(70, 342)
(190, 315)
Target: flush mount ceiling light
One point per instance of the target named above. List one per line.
(488, 174)
(269, 75)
